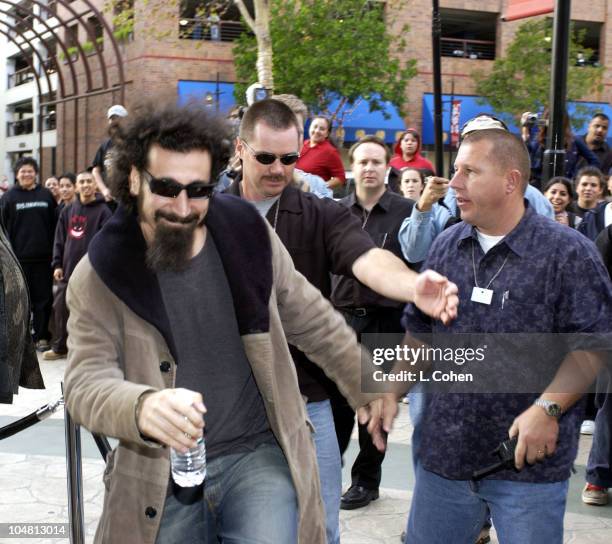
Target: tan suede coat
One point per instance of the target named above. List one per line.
(115, 356)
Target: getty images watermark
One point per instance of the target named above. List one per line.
(483, 362)
(425, 355)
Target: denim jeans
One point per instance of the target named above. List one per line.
(454, 511)
(246, 498)
(417, 405)
(599, 465)
(330, 469)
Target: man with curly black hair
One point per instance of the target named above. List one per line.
(185, 300)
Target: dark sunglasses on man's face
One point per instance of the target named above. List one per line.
(169, 188)
(263, 157)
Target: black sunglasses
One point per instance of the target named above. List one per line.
(170, 188)
(264, 157)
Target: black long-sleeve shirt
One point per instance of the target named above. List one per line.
(382, 223)
(29, 219)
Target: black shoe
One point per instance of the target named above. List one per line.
(358, 497)
(42, 346)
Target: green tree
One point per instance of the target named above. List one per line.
(328, 49)
(520, 81)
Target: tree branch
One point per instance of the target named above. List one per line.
(245, 14)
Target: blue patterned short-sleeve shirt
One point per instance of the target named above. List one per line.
(553, 281)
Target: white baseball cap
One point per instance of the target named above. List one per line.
(482, 122)
(117, 110)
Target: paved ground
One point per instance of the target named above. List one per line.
(33, 479)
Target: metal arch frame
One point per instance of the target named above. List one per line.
(41, 38)
(34, 51)
(20, 13)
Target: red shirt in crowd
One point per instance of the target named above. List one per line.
(323, 160)
(418, 161)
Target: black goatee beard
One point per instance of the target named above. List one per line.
(170, 249)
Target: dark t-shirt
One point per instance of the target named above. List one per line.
(210, 354)
(580, 212)
(603, 153)
(102, 158)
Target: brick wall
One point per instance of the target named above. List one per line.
(153, 63)
(156, 59)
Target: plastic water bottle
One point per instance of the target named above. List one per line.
(189, 469)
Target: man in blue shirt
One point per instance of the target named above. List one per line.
(517, 272)
(429, 217)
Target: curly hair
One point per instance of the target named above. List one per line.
(172, 127)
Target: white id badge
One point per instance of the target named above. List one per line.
(482, 295)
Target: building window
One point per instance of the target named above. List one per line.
(96, 30)
(123, 19)
(71, 38)
(21, 73)
(210, 20)
(591, 39)
(48, 111)
(22, 119)
(23, 19)
(468, 34)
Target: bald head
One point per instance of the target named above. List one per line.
(506, 150)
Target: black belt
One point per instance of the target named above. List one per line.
(361, 312)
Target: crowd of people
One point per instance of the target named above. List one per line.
(205, 284)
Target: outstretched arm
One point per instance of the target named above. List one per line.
(384, 273)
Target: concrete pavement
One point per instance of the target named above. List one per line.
(33, 479)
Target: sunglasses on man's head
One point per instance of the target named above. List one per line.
(170, 188)
(263, 157)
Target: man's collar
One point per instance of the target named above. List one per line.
(384, 201)
(515, 239)
(603, 145)
(289, 199)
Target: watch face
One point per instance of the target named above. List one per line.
(553, 409)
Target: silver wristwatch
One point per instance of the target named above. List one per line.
(550, 407)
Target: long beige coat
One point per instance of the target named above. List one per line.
(115, 356)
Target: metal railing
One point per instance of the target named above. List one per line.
(469, 49)
(20, 127)
(22, 24)
(20, 77)
(202, 29)
(74, 465)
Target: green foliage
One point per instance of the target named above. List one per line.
(323, 48)
(88, 47)
(73, 53)
(122, 20)
(520, 81)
